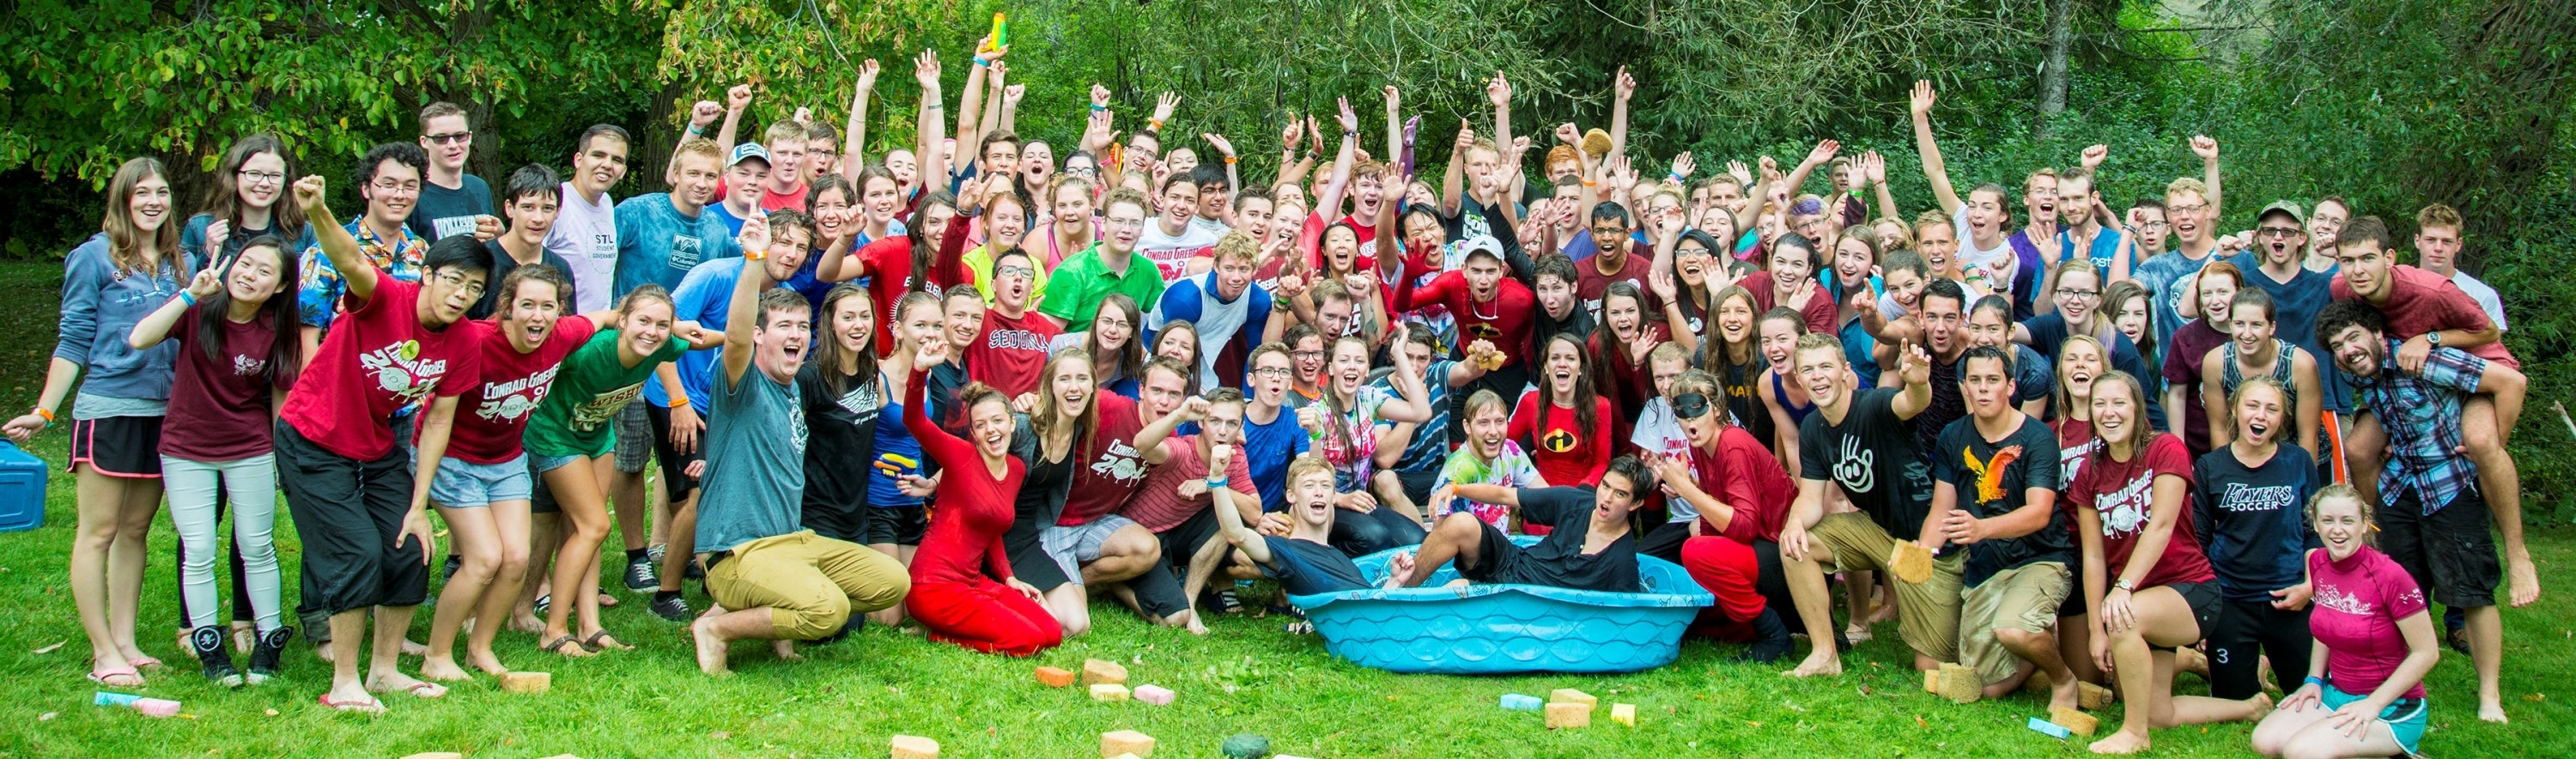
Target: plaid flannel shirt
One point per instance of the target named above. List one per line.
(2421, 412)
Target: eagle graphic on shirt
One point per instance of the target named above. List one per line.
(1990, 473)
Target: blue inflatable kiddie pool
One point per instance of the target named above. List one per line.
(1502, 629)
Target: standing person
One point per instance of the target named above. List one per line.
(1619, 370)
(1741, 497)
(452, 202)
(1789, 281)
(2188, 348)
(1409, 459)
(2364, 694)
(747, 170)
(2148, 588)
(585, 232)
(109, 283)
(1857, 441)
(954, 595)
(1995, 496)
(401, 344)
(925, 260)
(2253, 351)
(2275, 266)
(1108, 267)
(2086, 234)
(389, 179)
(1117, 352)
(661, 236)
(535, 199)
(2437, 506)
(774, 580)
(2146, 222)
(2325, 225)
(898, 510)
(1787, 406)
(235, 326)
(1977, 222)
(1732, 352)
(244, 204)
(785, 188)
(1943, 328)
(2082, 309)
(2245, 500)
(1171, 240)
(2190, 211)
(1229, 312)
(1489, 307)
(1568, 424)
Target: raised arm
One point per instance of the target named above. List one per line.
(1330, 204)
(992, 118)
(925, 129)
(1934, 170)
(1822, 154)
(1150, 441)
(1498, 91)
(1229, 520)
(1874, 168)
(742, 313)
(356, 272)
(1415, 406)
(1914, 367)
(1450, 179)
(2207, 149)
(854, 140)
(970, 104)
(1622, 89)
(736, 100)
(1292, 168)
(155, 327)
(701, 116)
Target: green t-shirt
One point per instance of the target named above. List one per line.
(577, 416)
(1075, 290)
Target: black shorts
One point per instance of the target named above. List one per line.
(1499, 560)
(1417, 485)
(1029, 560)
(2449, 552)
(1184, 540)
(2244, 632)
(896, 525)
(541, 499)
(118, 446)
(1665, 541)
(675, 467)
(2205, 604)
(2074, 605)
(347, 513)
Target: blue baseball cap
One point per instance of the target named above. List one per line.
(746, 151)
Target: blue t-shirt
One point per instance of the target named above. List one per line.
(1267, 449)
(1430, 446)
(705, 296)
(1307, 568)
(2105, 248)
(755, 483)
(898, 455)
(2165, 276)
(2252, 519)
(2295, 305)
(733, 224)
(657, 245)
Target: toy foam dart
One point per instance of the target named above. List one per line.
(896, 464)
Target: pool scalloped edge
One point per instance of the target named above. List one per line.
(1501, 629)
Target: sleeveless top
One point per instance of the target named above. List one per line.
(1797, 414)
(2230, 375)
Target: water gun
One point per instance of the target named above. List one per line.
(1000, 37)
(896, 465)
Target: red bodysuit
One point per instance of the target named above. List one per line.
(952, 595)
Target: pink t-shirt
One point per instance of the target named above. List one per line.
(376, 360)
(493, 415)
(2359, 601)
(2420, 301)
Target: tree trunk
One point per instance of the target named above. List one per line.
(2052, 72)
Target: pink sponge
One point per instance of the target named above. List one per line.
(1154, 694)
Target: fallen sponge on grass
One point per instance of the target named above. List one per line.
(1624, 714)
(527, 682)
(1109, 693)
(1126, 742)
(1571, 696)
(915, 747)
(1097, 671)
(1568, 715)
(1154, 694)
(2092, 696)
(2074, 721)
(1055, 677)
(1961, 684)
(1520, 703)
(1245, 746)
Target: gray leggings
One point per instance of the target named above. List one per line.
(251, 484)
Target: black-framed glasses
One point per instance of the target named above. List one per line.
(260, 177)
(1690, 405)
(1271, 371)
(2072, 293)
(451, 138)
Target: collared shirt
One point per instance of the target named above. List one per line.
(317, 300)
(2421, 412)
(1075, 292)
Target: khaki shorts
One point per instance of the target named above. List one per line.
(2022, 598)
(810, 584)
(1929, 616)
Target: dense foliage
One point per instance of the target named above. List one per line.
(2394, 104)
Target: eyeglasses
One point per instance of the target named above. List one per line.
(1272, 372)
(1690, 405)
(260, 177)
(1016, 271)
(2153, 225)
(2185, 210)
(2279, 233)
(2070, 293)
(1307, 355)
(451, 138)
(473, 290)
(388, 185)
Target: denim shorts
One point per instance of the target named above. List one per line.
(464, 484)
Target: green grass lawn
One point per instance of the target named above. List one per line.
(1246, 676)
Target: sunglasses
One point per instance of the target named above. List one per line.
(1690, 405)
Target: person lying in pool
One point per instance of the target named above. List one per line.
(1591, 548)
(1304, 560)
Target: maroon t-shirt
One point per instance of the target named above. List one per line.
(2123, 494)
(492, 416)
(2191, 344)
(376, 360)
(2420, 301)
(1110, 468)
(1820, 309)
(1590, 283)
(1011, 353)
(219, 407)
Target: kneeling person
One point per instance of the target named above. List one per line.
(1595, 550)
(1995, 495)
(771, 579)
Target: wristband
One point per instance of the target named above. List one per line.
(696, 130)
(2317, 681)
(1677, 177)
(1154, 124)
(188, 297)
(1229, 160)
(679, 401)
(979, 61)
(1216, 483)
(755, 255)
(1096, 107)
(48, 415)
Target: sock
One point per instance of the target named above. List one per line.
(634, 555)
(663, 595)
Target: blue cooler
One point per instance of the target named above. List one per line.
(22, 489)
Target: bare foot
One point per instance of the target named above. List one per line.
(2188, 659)
(351, 698)
(2524, 583)
(1194, 625)
(1825, 662)
(2492, 713)
(607, 601)
(443, 668)
(527, 623)
(322, 651)
(1857, 633)
(785, 650)
(1885, 613)
(244, 636)
(410, 648)
(484, 660)
(2066, 694)
(2123, 742)
(394, 681)
(711, 649)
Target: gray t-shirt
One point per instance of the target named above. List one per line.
(755, 477)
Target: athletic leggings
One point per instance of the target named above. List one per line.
(196, 490)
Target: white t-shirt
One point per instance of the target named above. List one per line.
(585, 235)
(2484, 295)
(1969, 255)
(1172, 253)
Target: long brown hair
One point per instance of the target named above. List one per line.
(224, 202)
(1713, 355)
(1044, 416)
(124, 240)
(1584, 400)
(827, 356)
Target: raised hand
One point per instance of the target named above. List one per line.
(1666, 290)
(990, 53)
(208, 280)
(1099, 96)
(1001, 70)
(1164, 105)
(1683, 165)
(1873, 167)
(1193, 409)
(1743, 174)
(1219, 142)
(309, 192)
(932, 352)
(1350, 119)
(2203, 146)
(738, 98)
(1520, 147)
(868, 75)
(1289, 135)
(216, 234)
(704, 113)
(1466, 138)
(1498, 90)
(1914, 365)
(925, 70)
(755, 233)
(1392, 98)
(1823, 152)
(1921, 103)
(1622, 85)
(2094, 155)
(1566, 133)
(803, 115)
(1011, 95)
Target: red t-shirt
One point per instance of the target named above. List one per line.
(1158, 504)
(1564, 455)
(2420, 301)
(491, 417)
(1505, 320)
(1590, 283)
(376, 360)
(1820, 309)
(1011, 353)
(2123, 494)
(889, 262)
(1744, 475)
(1110, 469)
(772, 200)
(219, 406)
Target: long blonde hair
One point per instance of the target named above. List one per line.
(124, 240)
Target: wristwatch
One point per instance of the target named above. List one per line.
(2126, 585)
(2433, 338)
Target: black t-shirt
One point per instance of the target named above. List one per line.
(2048, 335)
(1306, 568)
(1558, 560)
(1993, 478)
(2252, 520)
(1871, 455)
(1947, 406)
(503, 264)
(442, 212)
(840, 438)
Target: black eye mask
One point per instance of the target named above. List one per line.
(1690, 406)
